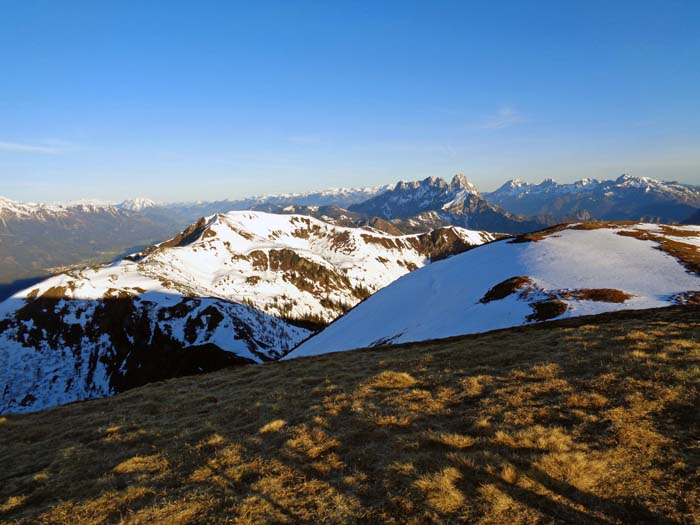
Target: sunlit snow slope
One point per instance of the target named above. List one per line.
(234, 288)
(565, 271)
(295, 266)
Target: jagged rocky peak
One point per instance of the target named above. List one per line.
(435, 181)
(625, 177)
(586, 183)
(428, 182)
(548, 183)
(515, 183)
(460, 182)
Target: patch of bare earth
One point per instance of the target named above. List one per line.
(547, 309)
(547, 306)
(505, 288)
(605, 295)
(588, 420)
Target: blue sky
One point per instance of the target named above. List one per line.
(204, 100)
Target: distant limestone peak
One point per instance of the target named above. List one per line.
(460, 182)
(548, 182)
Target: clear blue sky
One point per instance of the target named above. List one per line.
(201, 100)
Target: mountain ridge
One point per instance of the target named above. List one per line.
(625, 198)
(412, 206)
(565, 271)
(232, 288)
(95, 231)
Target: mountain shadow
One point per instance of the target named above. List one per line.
(55, 350)
(592, 420)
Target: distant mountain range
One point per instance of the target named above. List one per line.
(184, 213)
(626, 198)
(420, 205)
(39, 239)
(35, 239)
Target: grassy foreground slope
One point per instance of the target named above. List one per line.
(588, 420)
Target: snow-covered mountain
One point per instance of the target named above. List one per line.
(340, 197)
(625, 198)
(329, 214)
(13, 210)
(233, 288)
(36, 237)
(294, 266)
(27, 210)
(66, 340)
(565, 271)
(137, 204)
(426, 204)
(337, 197)
(407, 199)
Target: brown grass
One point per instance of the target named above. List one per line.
(606, 295)
(546, 309)
(588, 420)
(506, 288)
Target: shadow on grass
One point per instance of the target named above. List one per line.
(582, 424)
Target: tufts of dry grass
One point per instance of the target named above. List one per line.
(136, 464)
(273, 426)
(440, 490)
(547, 309)
(506, 288)
(606, 295)
(587, 420)
(390, 379)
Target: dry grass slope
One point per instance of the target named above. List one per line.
(591, 420)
